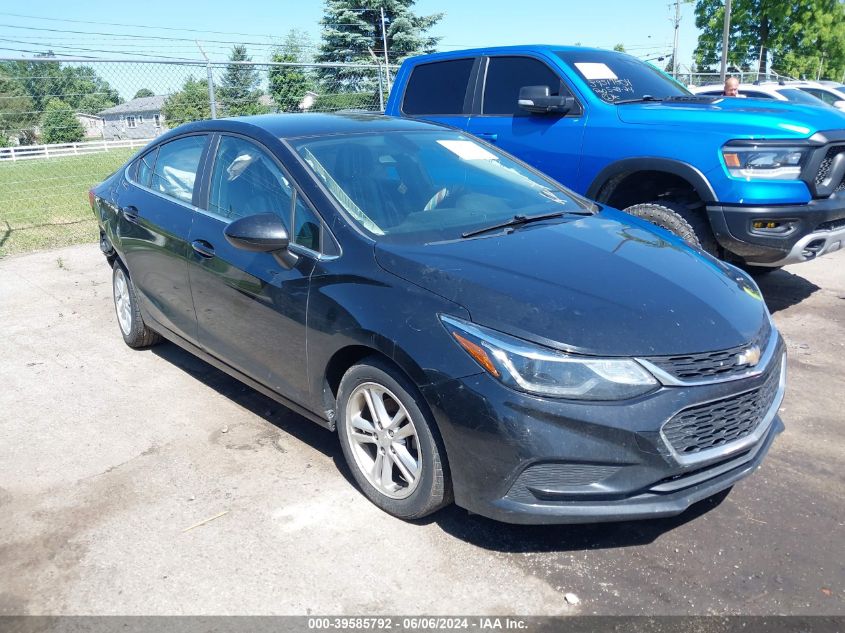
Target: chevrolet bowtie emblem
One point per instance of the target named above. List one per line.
(749, 357)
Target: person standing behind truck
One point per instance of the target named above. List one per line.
(731, 87)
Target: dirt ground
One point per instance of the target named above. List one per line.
(112, 459)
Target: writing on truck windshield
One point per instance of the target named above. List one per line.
(618, 78)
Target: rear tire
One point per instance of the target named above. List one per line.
(135, 332)
(390, 442)
(678, 218)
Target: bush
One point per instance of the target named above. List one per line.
(346, 101)
(60, 125)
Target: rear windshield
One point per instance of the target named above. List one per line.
(619, 78)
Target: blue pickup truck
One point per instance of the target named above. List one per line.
(761, 183)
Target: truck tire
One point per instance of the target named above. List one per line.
(679, 219)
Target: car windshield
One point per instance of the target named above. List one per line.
(422, 186)
(619, 78)
(799, 96)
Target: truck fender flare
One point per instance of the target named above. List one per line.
(646, 163)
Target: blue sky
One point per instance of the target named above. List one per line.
(643, 26)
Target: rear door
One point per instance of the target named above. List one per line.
(251, 309)
(442, 91)
(155, 214)
(551, 143)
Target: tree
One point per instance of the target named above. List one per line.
(288, 84)
(59, 124)
(144, 92)
(47, 79)
(239, 91)
(189, 104)
(17, 117)
(796, 34)
(619, 48)
(351, 27)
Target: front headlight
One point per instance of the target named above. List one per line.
(754, 162)
(546, 372)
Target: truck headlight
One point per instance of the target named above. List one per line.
(547, 372)
(762, 161)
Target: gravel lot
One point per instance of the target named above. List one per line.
(108, 456)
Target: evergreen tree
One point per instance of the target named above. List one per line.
(802, 36)
(288, 84)
(351, 28)
(59, 124)
(239, 91)
(189, 104)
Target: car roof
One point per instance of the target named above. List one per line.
(292, 125)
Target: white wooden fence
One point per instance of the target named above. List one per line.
(58, 150)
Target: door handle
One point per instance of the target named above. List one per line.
(203, 248)
(487, 136)
(130, 213)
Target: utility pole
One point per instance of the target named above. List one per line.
(821, 62)
(211, 100)
(726, 38)
(675, 46)
(384, 41)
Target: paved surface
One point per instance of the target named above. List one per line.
(108, 456)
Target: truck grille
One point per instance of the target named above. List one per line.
(720, 364)
(724, 421)
(825, 169)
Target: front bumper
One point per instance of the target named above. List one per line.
(522, 459)
(816, 228)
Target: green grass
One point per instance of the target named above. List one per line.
(44, 202)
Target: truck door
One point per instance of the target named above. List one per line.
(441, 91)
(549, 142)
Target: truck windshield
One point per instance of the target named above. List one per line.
(418, 187)
(620, 78)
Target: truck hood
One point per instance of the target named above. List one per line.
(746, 118)
(606, 285)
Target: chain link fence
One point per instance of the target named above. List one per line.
(65, 125)
(715, 78)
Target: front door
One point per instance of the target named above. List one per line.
(250, 309)
(549, 142)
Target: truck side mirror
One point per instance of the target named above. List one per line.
(538, 100)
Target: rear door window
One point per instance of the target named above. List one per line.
(438, 87)
(506, 75)
(176, 167)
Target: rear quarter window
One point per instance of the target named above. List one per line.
(438, 87)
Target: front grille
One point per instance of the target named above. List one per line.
(720, 364)
(552, 476)
(832, 225)
(724, 421)
(827, 162)
(825, 169)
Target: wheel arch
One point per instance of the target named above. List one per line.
(613, 178)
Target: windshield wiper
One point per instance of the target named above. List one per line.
(519, 220)
(639, 99)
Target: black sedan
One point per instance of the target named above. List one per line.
(470, 328)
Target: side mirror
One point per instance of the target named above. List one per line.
(537, 99)
(261, 233)
(839, 104)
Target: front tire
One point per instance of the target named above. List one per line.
(135, 332)
(391, 445)
(678, 218)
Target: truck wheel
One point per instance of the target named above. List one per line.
(679, 219)
(390, 441)
(757, 271)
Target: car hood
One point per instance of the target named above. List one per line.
(748, 118)
(606, 284)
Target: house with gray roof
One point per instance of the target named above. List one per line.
(137, 118)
